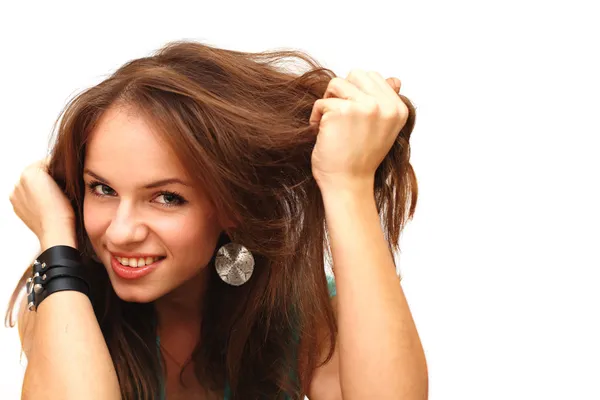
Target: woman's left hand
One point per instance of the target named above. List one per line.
(358, 119)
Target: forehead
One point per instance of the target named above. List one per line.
(124, 143)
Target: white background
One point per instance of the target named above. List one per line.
(501, 261)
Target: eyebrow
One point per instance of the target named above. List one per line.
(162, 182)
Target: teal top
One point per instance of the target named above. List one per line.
(227, 391)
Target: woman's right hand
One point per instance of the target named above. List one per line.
(43, 207)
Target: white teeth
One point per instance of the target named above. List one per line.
(137, 262)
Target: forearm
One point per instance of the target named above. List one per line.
(380, 351)
(68, 358)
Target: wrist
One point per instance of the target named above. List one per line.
(343, 206)
(57, 268)
(56, 238)
(355, 191)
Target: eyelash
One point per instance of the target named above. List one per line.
(178, 197)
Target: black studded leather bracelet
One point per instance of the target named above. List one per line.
(56, 269)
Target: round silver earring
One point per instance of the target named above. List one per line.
(234, 264)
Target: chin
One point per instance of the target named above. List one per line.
(134, 293)
(133, 298)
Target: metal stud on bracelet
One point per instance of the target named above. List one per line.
(56, 269)
(30, 298)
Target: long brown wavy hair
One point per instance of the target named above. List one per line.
(239, 122)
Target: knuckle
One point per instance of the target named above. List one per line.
(375, 74)
(346, 108)
(402, 110)
(335, 82)
(31, 167)
(391, 113)
(326, 118)
(356, 72)
(370, 106)
(334, 85)
(25, 176)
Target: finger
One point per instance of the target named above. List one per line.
(343, 89)
(394, 83)
(364, 81)
(323, 106)
(388, 90)
(45, 163)
(42, 163)
(386, 84)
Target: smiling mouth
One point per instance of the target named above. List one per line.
(138, 262)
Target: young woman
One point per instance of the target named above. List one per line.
(204, 190)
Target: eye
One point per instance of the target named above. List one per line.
(171, 199)
(104, 189)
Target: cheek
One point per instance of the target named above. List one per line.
(92, 219)
(193, 235)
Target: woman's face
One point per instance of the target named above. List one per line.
(140, 203)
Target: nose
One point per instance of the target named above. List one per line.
(126, 228)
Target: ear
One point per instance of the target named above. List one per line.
(227, 223)
(223, 219)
